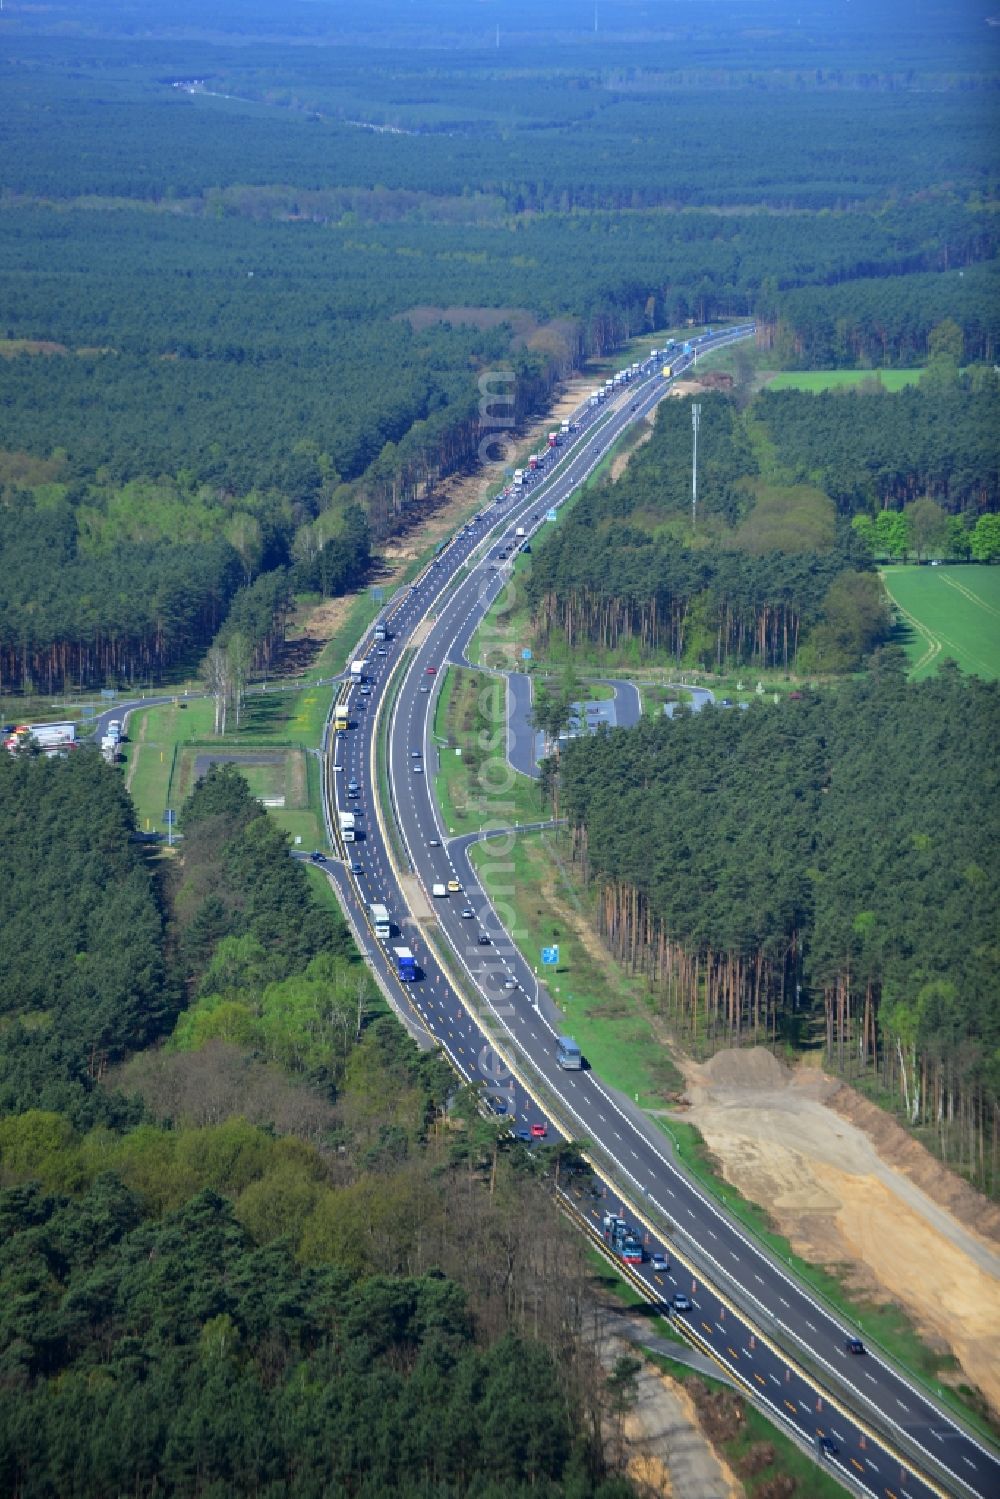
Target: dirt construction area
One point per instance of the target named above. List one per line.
(850, 1189)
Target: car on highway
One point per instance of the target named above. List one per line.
(854, 1345)
(381, 652)
(827, 1447)
(679, 1302)
(523, 1134)
(454, 888)
(539, 1131)
(417, 770)
(484, 941)
(357, 868)
(434, 843)
(415, 755)
(431, 670)
(425, 689)
(317, 856)
(468, 914)
(510, 983)
(659, 1263)
(353, 789)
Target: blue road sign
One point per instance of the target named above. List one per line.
(550, 955)
(526, 654)
(170, 815)
(551, 515)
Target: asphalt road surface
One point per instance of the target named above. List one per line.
(770, 1333)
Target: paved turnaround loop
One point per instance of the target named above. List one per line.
(481, 1004)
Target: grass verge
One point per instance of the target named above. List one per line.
(606, 1010)
(280, 719)
(470, 712)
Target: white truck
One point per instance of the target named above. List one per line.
(438, 890)
(518, 477)
(520, 531)
(357, 671)
(347, 827)
(568, 1054)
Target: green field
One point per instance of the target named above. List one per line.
(948, 612)
(837, 379)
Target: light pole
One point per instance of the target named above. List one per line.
(695, 424)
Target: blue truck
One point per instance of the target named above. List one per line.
(406, 965)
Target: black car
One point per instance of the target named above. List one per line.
(827, 1447)
(854, 1345)
(317, 857)
(484, 941)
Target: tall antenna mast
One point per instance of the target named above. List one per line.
(695, 424)
(595, 17)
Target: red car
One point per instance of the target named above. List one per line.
(431, 670)
(539, 1131)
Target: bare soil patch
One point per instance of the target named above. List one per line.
(621, 463)
(11, 347)
(666, 1448)
(851, 1190)
(452, 502)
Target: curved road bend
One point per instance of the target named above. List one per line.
(756, 1305)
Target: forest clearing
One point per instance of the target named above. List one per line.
(948, 612)
(815, 380)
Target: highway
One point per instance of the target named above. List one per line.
(479, 999)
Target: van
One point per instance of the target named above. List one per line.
(568, 1054)
(438, 889)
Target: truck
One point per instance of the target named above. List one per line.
(622, 1239)
(380, 921)
(564, 427)
(568, 1054)
(357, 672)
(594, 398)
(341, 718)
(532, 462)
(520, 531)
(437, 889)
(518, 477)
(347, 827)
(52, 738)
(406, 965)
(667, 371)
(382, 633)
(553, 439)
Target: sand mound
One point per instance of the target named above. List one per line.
(848, 1187)
(751, 1067)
